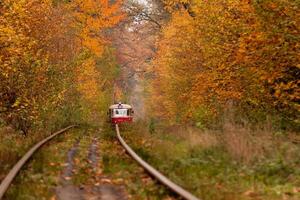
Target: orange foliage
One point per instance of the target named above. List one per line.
(215, 52)
(93, 16)
(87, 77)
(45, 50)
(25, 84)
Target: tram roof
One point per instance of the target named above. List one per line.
(115, 106)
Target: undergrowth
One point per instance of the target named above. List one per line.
(121, 168)
(40, 176)
(235, 163)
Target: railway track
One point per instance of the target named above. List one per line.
(17, 167)
(163, 179)
(156, 174)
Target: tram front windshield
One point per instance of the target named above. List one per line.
(120, 112)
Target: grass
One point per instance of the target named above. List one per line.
(12, 146)
(40, 176)
(119, 166)
(82, 168)
(236, 163)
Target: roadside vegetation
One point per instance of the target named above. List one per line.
(236, 163)
(123, 170)
(46, 173)
(221, 102)
(41, 175)
(223, 99)
(225, 57)
(57, 68)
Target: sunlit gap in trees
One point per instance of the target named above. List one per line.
(138, 9)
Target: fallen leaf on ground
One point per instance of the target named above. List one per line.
(251, 193)
(53, 198)
(118, 181)
(296, 189)
(67, 178)
(105, 180)
(99, 172)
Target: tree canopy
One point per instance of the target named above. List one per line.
(215, 53)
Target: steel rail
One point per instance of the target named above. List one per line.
(14, 171)
(164, 180)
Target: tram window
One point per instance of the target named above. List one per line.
(120, 112)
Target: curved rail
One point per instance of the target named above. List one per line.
(164, 180)
(14, 171)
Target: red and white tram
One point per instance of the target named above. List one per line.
(119, 113)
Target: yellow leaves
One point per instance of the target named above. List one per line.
(25, 85)
(175, 66)
(87, 80)
(40, 46)
(17, 103)
(173, 5)
(94, 45)
(287, 92)
(94, 16)
(92, 42)
(225, 52)
(272, 5)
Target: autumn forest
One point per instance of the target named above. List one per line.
(214, 84)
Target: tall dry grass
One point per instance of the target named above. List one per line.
(194, 137)
(243, 144)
